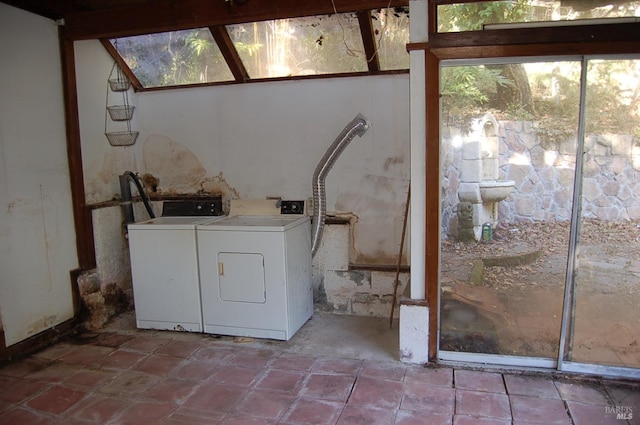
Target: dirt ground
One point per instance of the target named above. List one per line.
(506, 297)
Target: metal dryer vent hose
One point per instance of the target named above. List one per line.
(358, 126)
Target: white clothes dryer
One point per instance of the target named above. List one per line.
(255, 273)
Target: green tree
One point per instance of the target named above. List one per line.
(511, 83)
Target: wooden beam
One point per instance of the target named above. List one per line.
(551, 35)
(171, 15)
(229, 52)
(369, 40)
(81, 214)
(121, 63)
(39, 7)
(558, 49)
(432, 204)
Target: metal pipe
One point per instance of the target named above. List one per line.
(358, 126)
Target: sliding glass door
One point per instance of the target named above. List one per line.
(603, 324)
(540, 261)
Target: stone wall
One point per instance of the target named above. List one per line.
(543, 170)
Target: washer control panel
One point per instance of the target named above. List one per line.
(193, 207)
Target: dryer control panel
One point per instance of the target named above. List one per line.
(292, 207)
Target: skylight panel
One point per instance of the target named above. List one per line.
(313, 45)
(391, 28)
(174, 58)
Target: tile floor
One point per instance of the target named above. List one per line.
(122, 375)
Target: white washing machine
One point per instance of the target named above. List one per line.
(164, 267)
(255, 272)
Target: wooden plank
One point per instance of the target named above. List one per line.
(169, 15)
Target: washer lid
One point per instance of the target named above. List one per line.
(171, 223)
(254, 223)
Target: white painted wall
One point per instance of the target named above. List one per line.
(263, 139)
(419, 33)
(36, 221)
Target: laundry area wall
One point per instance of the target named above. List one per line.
(252, 141)
(37, 249)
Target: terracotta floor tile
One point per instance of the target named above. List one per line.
(341, 366)
(354, 414)
(479, 381)
(158, 364)
(86, 354)
(531, 386)
(534, 409)
(98, 408)
(180, 419)
(213, 352)
(56, 399)
(112, 339)
(24, 417)
(24, 367)
(129, 383)
(237, 376)
(215, 398)
(389, 371)
(194, 416)
(172, 390)
(145, 344)
(474, 420)
(120, 359)
(442, 377)
(55, 351)
(252, 358)
(625, 396)
(145, 414)
(328, 387)
(281, 380)
(55, 372)
(188, 379)
(377, 393)
(483, 404)
(71, 421)
(582, 393)
(424, 397)
(314, 412)
(200, 370)
(291, 361)
(175, 348)
(593, 414)
(247, 420)
(19, 390)
(91, 378)
(264, 404)
(5, 405)
(411, 417)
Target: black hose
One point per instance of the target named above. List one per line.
(131, 176)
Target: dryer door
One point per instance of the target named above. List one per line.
(241, 277)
